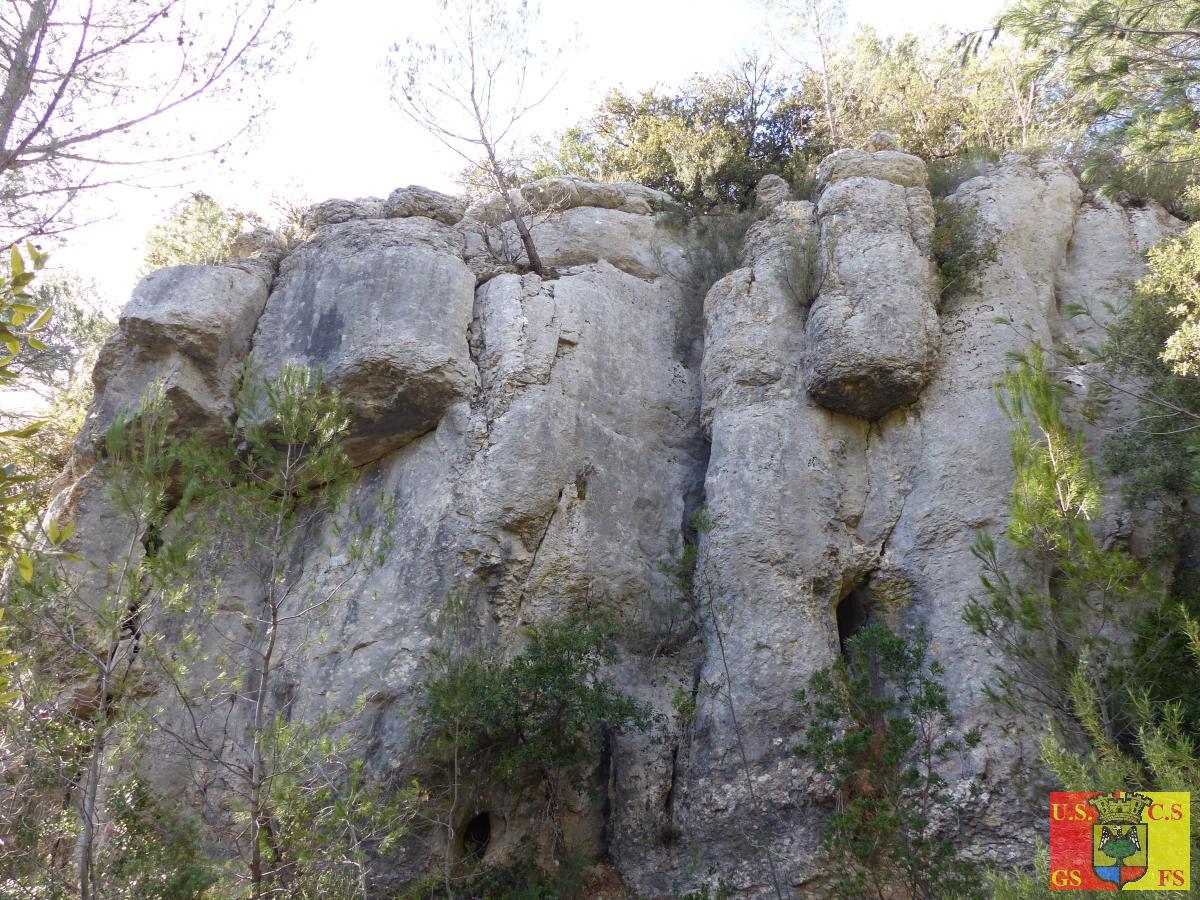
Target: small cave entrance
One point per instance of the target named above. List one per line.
(853, 614)
(476, 837)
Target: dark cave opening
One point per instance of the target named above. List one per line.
(476, 836)
(853, 613)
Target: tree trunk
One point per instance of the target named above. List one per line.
(535, 260)
(258, 774)
(19, 80)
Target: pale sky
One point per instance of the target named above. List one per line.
(332, 130)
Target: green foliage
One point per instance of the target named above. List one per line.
(313, 813)
(707, 144)
(1133, 68)
(154, 848)
(198, 231)
(1155, 451)
(330, 816)
(1124, 712)
(1152, 342)
(55, 385)
(939, 105)
(1172, 285)
(878, 723)
(92, 635)
(945, 175)
(960, 246)
(1050, 627)
(684, 703)
(519, 879)
(547, 709)
(80, 626)
(526, 724)
(22, 324)
(1161, 757)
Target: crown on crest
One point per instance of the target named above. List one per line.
(1118, 810)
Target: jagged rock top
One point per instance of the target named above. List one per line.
(771, 191)
(895, 166)
(415, 200)
(561, 193)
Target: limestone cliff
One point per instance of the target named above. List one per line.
(547, 442)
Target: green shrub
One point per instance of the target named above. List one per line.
(946, 175)
(154, 850)
(1124, 713)
(546, 709)
(519, 879)
(960, 247)
(1170, 184)
(878, 723)
(1040, 629)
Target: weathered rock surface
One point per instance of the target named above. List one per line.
(421, 201)
(560, 193)
(547, 442)
(382, 308)
(188, 327)
(871, 339)
(335, 212)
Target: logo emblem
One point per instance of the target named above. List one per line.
(1120, 841)
(1120, 838)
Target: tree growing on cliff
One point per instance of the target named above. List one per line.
(1080, 629)
(302, 811)
(198, 231)
(706, 143)
(84, 628)
(879, 724)
(471, 87)
(1133, 69)
(88, 87)
(1063, 622)
(529, 724)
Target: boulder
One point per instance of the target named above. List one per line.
(382, 308)
(335, 212)
(771, 191)
(188, 327)
(871, 337)
(881, 140)
(420, 201)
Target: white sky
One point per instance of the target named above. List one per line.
(333, 132)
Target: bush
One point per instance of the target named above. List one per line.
(518, 879)
(878, 723)
(547, 709)
(155, 851)
(959, 246)
(946, 175)
(1124, 713)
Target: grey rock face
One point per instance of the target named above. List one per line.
(547, 442)
(190, 327)
(872, 332)
(382, 307)
(881, 140)
(771, 191)
(257, 242)
(560, 193)
(335, 212)
(421, 201)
